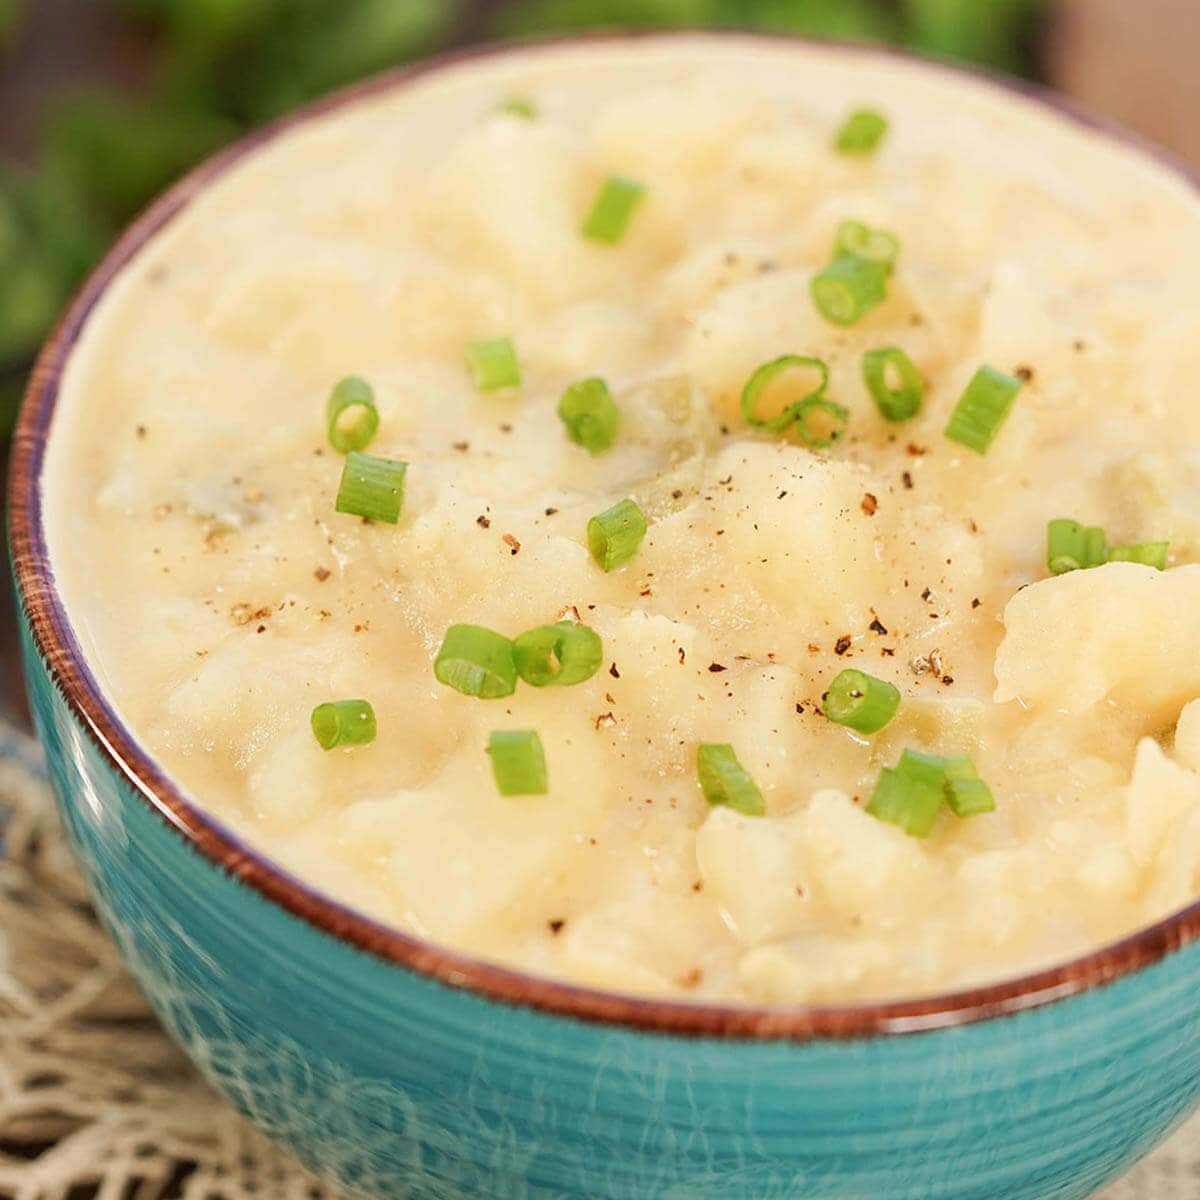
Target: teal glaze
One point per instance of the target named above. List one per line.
(394, 1085)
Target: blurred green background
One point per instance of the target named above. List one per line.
(182, 77)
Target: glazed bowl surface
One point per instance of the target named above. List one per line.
(396, 1068)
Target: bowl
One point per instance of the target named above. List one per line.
(398, 1068)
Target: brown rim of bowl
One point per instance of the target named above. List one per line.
(59, 649)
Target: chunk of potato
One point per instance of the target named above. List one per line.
(433, 835)
(754, 868)
(509, 195)
(1162, 821)
(1121, 632)
(794, 526)
(1160, 797)
(815, 969)
(1187, 736)
(768, 873)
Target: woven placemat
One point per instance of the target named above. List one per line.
(97, 1104)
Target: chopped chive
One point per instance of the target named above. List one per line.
(849, 288)
(861, 132)
(894, 383)
(615, 534)
(1071, 546)
(343, 723)
(913, 804)
(493, 364)
(856, 240)
(350, 415)
(372, 487)
(1149, 554)
(589, 413)
(982, 409)
(912, 793)
(860, 701)
(922, 767)
(966, 794)
(836, 418)
(477, 662)
(724, 780)
(519, 106)
(762, 378)
(562, 654)
(612, 209)
(518, 762)
(1095, 546)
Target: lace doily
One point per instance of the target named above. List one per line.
(97, 1104)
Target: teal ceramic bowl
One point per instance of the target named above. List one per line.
(396, 1068)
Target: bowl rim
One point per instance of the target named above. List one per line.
(63, 658)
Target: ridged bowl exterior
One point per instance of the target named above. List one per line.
(394, 1085)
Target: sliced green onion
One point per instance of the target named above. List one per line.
(724, 780)
(590, 415)
(477, 662)
(849, 288)
(854, 239)
(911, 795)
(372, 487)
(898, 400)
(922, 767)
(615, 534)
(913, 804)
(982, 409)
(612, 209)
(923, 793)
(351, 415)
(1149, 554)
(861, 701)
(519, 106)
(1071, 546)
(343, 723)
(561, 654)
(861, 132)
(838, 417)
(493, 364)
(966, 794)
(756, 386)
(518, 762)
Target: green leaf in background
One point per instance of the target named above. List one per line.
(47, 242)
(987, 31)
(11, 388)
(996, 34)
(11, 14)
(528, 17)
(314, 46)
(117, 153)
(29, 302)
(11, 233)
(212, 22)
(853, 20)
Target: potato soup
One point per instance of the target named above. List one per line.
(692, 516)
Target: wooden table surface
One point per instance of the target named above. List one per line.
(1134, 61)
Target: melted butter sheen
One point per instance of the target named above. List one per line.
(222, 598)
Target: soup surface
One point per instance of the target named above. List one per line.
(221, 596)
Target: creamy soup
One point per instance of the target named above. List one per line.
(667, 216)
